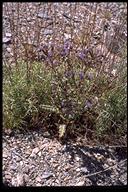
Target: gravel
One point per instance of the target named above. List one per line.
(60, 165)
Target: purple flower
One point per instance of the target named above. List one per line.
(88, 104)
(81, 74)
(64, 52)
(50, 53)
(66, 48)
(81, 55)
(67, 45)
(69, 74)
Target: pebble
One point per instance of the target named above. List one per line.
(34, 152)
(81, 183)
(18, 158)
(20, 179)
(48, 32)
(84, 170)
(44, 16)
(40, 154)
(38, 179)
(78, 169)
(77, 158)
(8, 34)
(5, 154)
(6, 40)
(26, 169)
(47, 175)
(8, 177)
(38, 184)
(13, 167)
(14, 182)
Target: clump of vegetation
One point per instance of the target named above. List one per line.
(74, 86)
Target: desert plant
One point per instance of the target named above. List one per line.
(76, 74)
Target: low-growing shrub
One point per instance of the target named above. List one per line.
(75, 83)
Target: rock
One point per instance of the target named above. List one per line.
(6, 40)
(47, 175)
(5, 154)
(13, 182)
(9, 49)
(81, 183)
(39, 154)
(8, 34)
(26, 178)
(34, 152)
(38, 184)
(13, 167)
(44, 16)
(20, 179)
(21, 163)
(26, 169)
(48, 32)
(38, 179)
(67, 36)
(8, 177)
(78, 169)
(84, 170)
(77, 158)
(46, 134)
(6, 17)
(18, 158)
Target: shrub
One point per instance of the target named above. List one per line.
(77, 80)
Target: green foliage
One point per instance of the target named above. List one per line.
(22, 98)
(113, 107)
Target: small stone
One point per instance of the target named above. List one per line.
(78, 169)
(84, 170)
(26, 169)
(29, 19)
(8, 177)
(34, 152)
(6, 40)
(9, 49)
(14, 183)
(81, 183)
(77, 158)
(26, 178)
(20, 179)
(8, 34)
(18, 158)
(110, 161)
(38, 179)
(38, 184)
(69, 156)
(47, 175)
(46, 134)
(5, 154)
(6, 16)
(13, 167)
(48, 32)
(21, 163)
(39, 154)
(43, 16)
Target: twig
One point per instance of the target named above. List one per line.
(107, 146)
(96, 173)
